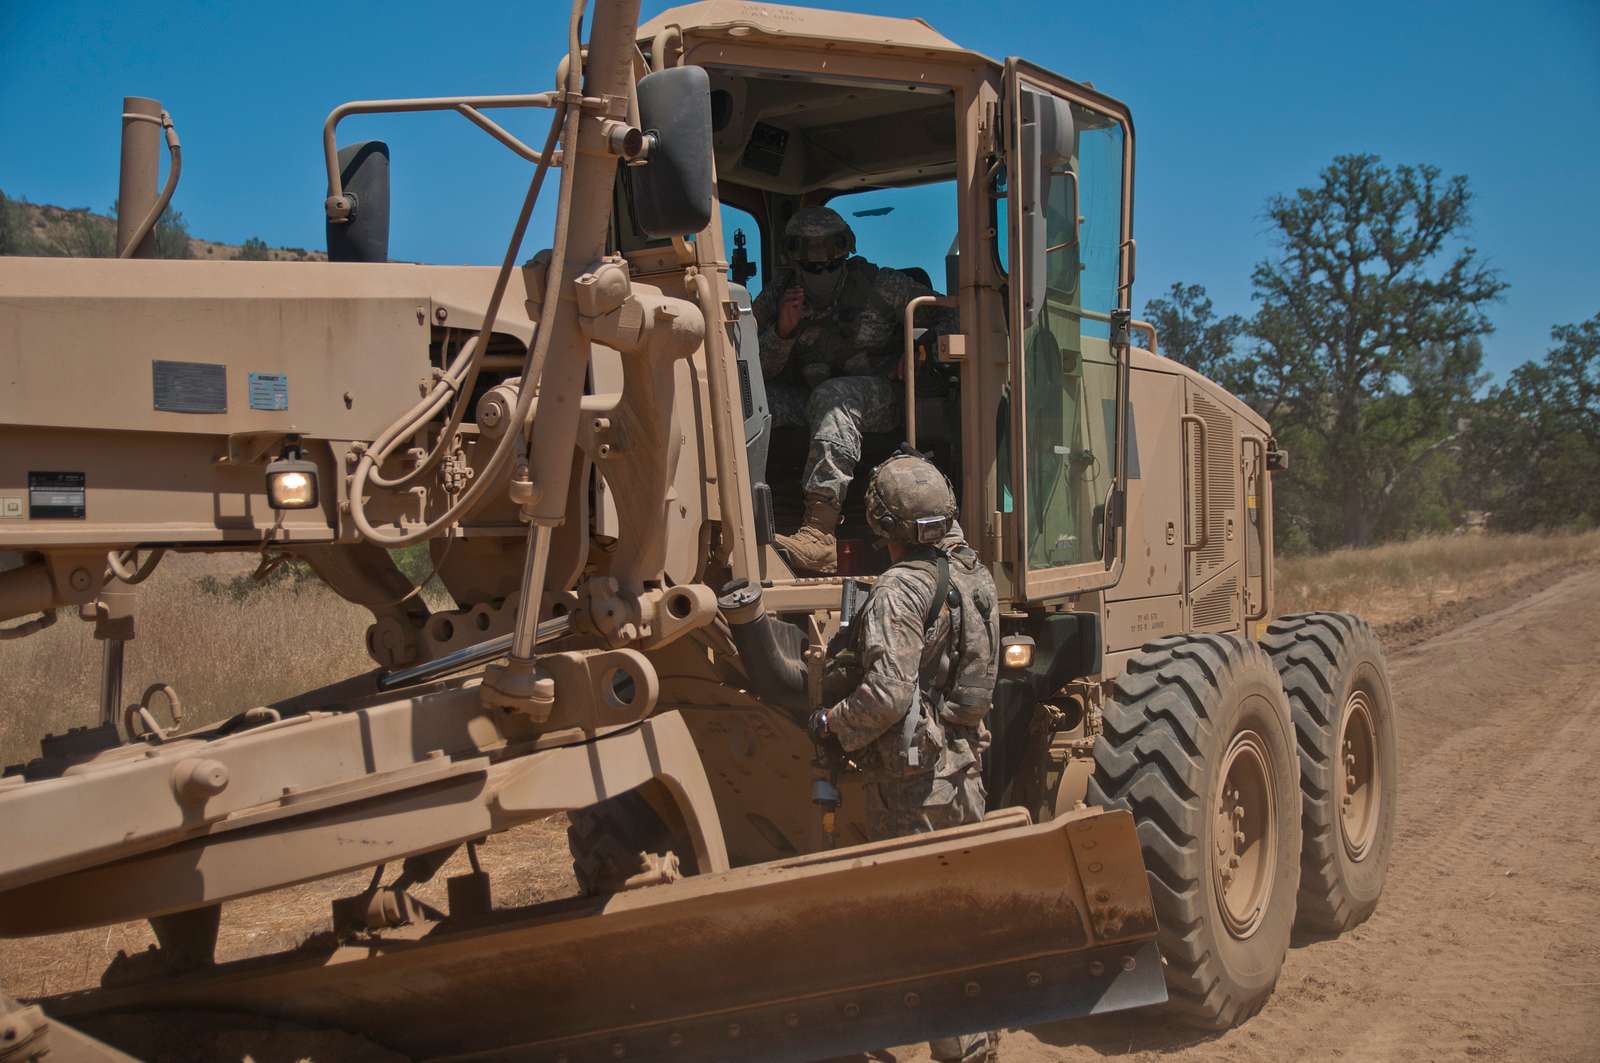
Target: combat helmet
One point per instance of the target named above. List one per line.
(909, 500)
(818, 234)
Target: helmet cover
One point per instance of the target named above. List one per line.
(909, 500)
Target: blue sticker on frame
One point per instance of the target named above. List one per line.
(269, 391)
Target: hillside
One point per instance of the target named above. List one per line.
(45, 229)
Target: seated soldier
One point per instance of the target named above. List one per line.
(832, 341)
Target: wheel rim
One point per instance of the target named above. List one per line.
(1245, 832)
(1360, 796)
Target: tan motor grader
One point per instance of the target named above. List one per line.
(583, 442)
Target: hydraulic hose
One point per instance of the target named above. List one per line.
(566, 122)
(777, 674)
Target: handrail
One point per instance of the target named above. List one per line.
(1265, 527)
(1095, 315)
(1205, 486)
(909, 367)
(466, 106)
(1155, 347)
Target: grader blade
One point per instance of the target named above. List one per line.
(992, 925)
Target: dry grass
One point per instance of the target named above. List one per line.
(220, 654)
(224, 655)
(1399, 581)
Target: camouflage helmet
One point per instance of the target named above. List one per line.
(909, 500)
(817, 234)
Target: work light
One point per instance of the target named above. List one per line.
(292, 481)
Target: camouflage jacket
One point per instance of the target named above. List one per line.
(896, 657)
(861, 334)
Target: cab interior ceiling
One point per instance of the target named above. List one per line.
(792, 135)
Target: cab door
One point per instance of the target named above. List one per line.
(1069, 156)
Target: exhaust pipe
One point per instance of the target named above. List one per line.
(141, 163)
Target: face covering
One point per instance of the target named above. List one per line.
(821, 288)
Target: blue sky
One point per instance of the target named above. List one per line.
(1233, 102)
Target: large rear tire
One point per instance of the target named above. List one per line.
(1197, 744)
(1333, 672)
(623, 841)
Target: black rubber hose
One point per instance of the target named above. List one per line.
(771, 657)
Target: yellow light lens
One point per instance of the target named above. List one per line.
(1019, 655)
(291, 489)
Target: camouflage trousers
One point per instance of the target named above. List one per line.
(915, 805)
(837, 412)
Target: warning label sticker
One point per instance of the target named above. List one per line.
(269, 391)
(56, 496)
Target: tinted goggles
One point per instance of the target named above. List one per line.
(833, 265)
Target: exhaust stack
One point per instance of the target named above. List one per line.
(141, 166)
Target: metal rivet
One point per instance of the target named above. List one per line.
(618, 1049)
(1129, 963)
(1102, 896)
(971, 989)
(675, 1039)
(441, 313)
(912, 1000)
(1095, 867)
(733, 1030)
(1096, 968)
(851, 1010)
(1035, 979)
(1089, 844)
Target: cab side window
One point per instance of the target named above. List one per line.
(741, 236)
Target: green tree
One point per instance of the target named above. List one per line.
(1534, 446)
(172, 235)
(1191, 333)
(254, 249)
(16, 235)
(9, 242)
(1365, 334)
(85, 235)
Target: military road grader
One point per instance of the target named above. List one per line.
(581, 439)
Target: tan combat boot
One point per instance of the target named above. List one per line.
(813, 548)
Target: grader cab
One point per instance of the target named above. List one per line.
(583, 440)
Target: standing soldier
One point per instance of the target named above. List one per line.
(923, 655)
(832, 335)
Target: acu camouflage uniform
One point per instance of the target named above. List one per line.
(904, 665)
(832, 375)
(897, 660)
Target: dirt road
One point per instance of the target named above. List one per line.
(1487, 942)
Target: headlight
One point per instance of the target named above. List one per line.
(1016, 651)
(292, 483)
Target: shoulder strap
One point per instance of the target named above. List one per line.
(941, 591)
(940, 563)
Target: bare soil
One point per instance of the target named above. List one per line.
(1484, 947)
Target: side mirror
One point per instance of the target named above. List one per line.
(1045, 145)
(364, 172)
(672, 190)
